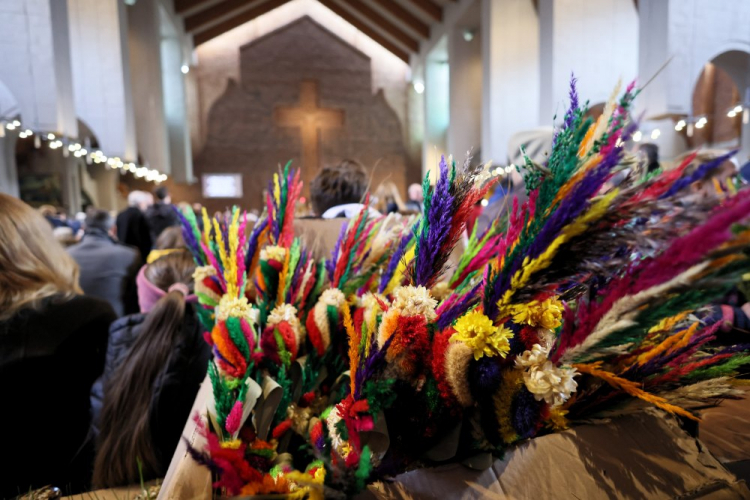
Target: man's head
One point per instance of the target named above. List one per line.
(162, 195)
(139, 199)
(415, 193)
(338, 185)
(101, 220)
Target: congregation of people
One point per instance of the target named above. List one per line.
(102, 338)
(98, 329)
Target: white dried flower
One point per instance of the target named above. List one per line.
(415, 301)
(333, 297)
(549, 383)
(234, 307)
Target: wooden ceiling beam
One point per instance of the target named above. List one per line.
(384, 24)
(366, 29)
(205, 17)
(181, 6)
(406, 17)
(238, 20)
(430, 8)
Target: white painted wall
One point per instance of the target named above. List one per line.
(510, 87)
(691, 33)
(437, 107)
(175, 101)
(101, 74)
(595, 40)
(465, 56)
(144, 39)
(34, 52)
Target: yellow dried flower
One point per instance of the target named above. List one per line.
(272, 252)
(557, 420)
(547, 314)
(479, 333)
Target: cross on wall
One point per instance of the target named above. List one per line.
(311, 119)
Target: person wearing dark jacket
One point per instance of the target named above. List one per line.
(161, 214)
(156, 361)
(108, 268)
(52, 346)
(132, 226)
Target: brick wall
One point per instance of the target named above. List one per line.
(242, 136)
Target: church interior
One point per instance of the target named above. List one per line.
(375, 249)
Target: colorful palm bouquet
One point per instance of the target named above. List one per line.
(583, 300)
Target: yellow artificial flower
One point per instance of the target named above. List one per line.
(479, 333)
(547, 314)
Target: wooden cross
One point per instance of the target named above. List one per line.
(310, 118)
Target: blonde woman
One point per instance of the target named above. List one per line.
(52, 347)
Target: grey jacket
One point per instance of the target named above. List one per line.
(108, 270)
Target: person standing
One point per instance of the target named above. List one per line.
(156, 361)
(132, 226)
(53, 342)
(108, 268)
(161, 214)
(416, 197)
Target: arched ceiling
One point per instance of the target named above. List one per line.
(398, 25)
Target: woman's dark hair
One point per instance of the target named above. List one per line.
(125, 434)
(170, 238)
(338, 185)
(652, 155)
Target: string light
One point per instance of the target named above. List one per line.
(637, 136)
(418, 87)
(655, 134)
(680, 125)
(79, 151)
(701, 123)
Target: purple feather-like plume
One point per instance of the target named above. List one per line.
(374, 362)
(253, 241)
(189, 236)
(573, 102)
(456, 310)
(439, 219)
(699, 174)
